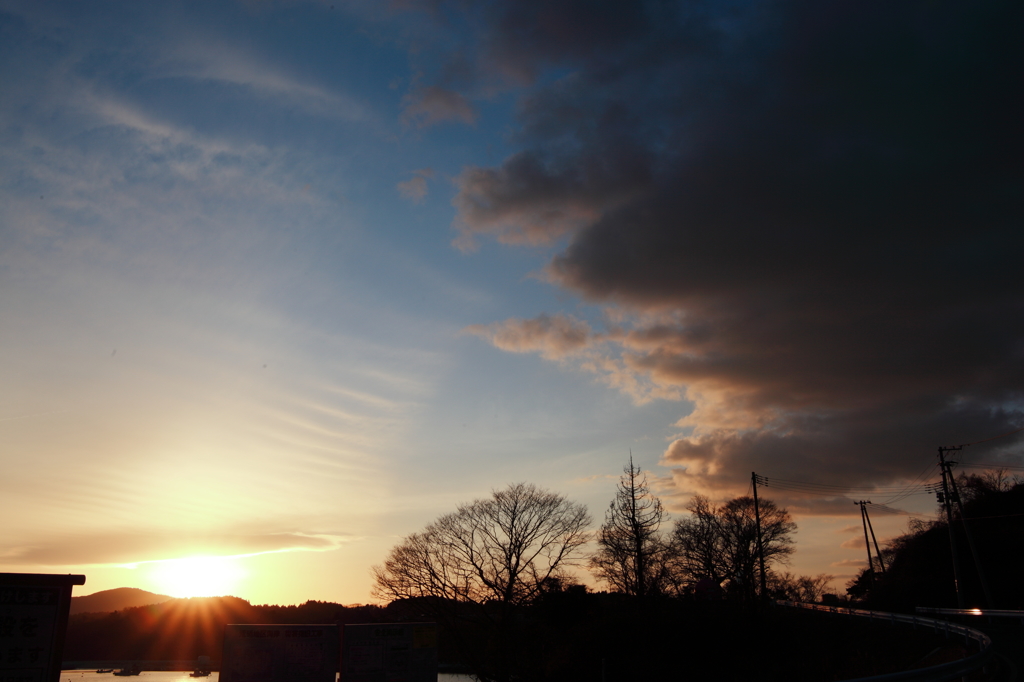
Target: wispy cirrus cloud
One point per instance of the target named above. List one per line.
(849, 563)
(132, 549)
(215, 59)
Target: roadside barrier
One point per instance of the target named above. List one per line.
(986, 613)
(937, 673)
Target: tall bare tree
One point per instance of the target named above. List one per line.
(631, 552)
(471, 568)
(504, 548)
(740, 528)
(720, 542)
(698, 545)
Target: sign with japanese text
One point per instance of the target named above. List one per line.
(396, 652)
(33, 620)
(279, 653)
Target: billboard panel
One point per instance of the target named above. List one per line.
(280, 653)
(397, 652)
(33, 621)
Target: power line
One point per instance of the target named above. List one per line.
(780, 482)
(890, 510)
(895, 493)
(985, 440)
(1001, 516)
(1010, 467)
(911, 487)
(832, 489)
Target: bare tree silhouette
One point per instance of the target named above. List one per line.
(631, 552)
(477, 564)
(720, 542)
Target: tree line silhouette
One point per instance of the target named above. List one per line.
(919, 565)
(496, 573)
(498, 576)
(509, 548)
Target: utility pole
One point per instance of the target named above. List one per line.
(867, 545)
(865, 520)
(947, 502)
(963, 519)
(760, 545)
(878, 552)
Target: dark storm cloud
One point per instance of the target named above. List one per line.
(812, 212)
(515, 40)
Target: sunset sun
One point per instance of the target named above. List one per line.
(203, 576)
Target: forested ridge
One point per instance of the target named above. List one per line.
(919, 566)
(566, 634)
(183, 629)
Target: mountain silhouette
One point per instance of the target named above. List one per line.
(115, 600)
(182, 629)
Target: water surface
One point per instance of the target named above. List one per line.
(182, 676)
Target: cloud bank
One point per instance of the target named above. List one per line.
(805, 217)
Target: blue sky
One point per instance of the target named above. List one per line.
(284, 281)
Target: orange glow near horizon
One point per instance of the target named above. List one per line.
(201, 576)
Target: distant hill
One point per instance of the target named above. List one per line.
(115, 600)
(183, 629)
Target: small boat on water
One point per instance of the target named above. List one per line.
(105, 670)
(199, 673)
(131, 670)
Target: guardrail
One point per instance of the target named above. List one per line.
(937, 673)
(175, 665)
(988, 613)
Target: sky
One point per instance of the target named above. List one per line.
(283, 281)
